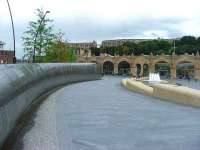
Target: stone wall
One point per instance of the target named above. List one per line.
(23, 83)
(149, 60)
(178, 94)
(170, 92)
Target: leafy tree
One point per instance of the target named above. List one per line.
(131, 46)
(188, 40)
(164, 46)
(187, 44)
(60, 51)
(198, 40)
(147, 47)
(38, 33)
(95, 51)
(125, 50)
(181, 49)
(109, 50)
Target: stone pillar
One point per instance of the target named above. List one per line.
(173, 71)
(115, 68)
(197, 67)
(173, 66)
(133, 69)
(151, 68)
(142, 70)
(197, 72)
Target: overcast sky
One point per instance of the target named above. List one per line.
(87, 20)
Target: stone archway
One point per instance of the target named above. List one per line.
(185, 70)
(163, 68)
(108, 67)
(124, 68)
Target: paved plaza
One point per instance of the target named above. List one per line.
(102, 115)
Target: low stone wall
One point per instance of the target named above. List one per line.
(138, 87)
(174, 93)
(21, 84)
(178, 94)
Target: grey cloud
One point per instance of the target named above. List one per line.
(88, 29)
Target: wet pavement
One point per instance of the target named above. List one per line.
(102, 115)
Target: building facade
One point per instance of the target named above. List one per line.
(6, 56)
(119, 42)
(84, 46)
(145, 64)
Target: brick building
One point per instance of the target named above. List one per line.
(6, 56)
(82, 48)
(119, 42)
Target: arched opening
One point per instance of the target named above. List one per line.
(124, 68)
(145, 70)
(163, 68)
(185, 70)
(138, 72)
(108, 67)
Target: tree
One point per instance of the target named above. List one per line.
(188, 40)
(95, 51)
(198, 43)
(187, 44)
(131, 46)
(44, 31)
(60, 51)
(109, 50)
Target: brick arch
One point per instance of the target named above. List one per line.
(108, 59)
(182, 60)
(162, 60)
(124, 59)
(141, 61)
(93, 60)
(178, 61)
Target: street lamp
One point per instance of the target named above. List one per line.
(13, 31)
(36, 34)
(174, 46)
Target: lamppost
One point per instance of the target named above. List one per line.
(174, 46)
(36, 34)
(13, 31)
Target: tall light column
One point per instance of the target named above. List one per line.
(13, 31)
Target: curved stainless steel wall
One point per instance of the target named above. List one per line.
(21, 84)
